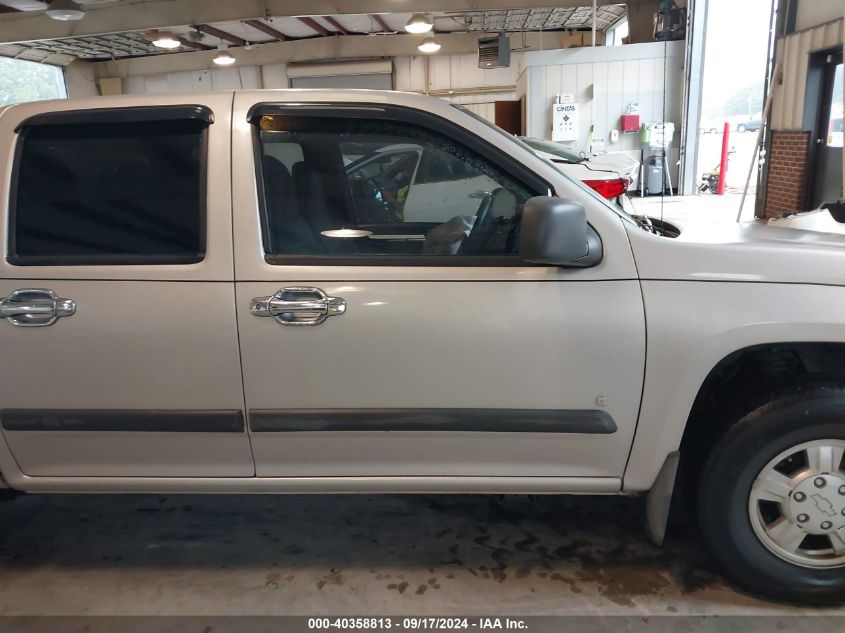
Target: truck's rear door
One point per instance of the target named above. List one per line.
(118, 331)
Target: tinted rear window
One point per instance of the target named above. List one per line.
(110, 193)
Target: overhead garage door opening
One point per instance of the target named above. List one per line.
(734, 84)
(22, 80)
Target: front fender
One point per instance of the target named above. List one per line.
(691, 326)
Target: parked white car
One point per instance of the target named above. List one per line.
(609, 174)
(423, 198)
(209, 293)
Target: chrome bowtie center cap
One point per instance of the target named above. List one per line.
(815, 504)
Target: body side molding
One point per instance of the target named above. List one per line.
(124, 420)
(438, 420)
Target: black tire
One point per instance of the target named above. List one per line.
(804, 414)
(741, 128)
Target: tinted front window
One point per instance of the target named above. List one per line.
(394, 167)
(110, 193)
(382, 187)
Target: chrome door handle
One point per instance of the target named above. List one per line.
(298, 305)
(34, 307)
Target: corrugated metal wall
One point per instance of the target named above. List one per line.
(793, 51)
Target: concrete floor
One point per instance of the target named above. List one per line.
(364, 555)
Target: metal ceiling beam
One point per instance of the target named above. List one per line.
(380, 21)
(312, 23)
(337, 26)
(223, 35)
(195, 45)
(137, 16)
(266, 28)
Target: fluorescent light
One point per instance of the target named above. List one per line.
(419, 24)
(224, 57)
(65, 11)
(166, 39)
(429, 45)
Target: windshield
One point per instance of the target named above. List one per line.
(556, 149)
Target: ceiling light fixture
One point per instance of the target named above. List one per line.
(419, 24)
(65, 10)
(429, 45)
(166, 39)
(223, 57)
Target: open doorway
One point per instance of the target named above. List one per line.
(823, 108)
(509, 116)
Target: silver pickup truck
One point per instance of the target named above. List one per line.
(355, 291)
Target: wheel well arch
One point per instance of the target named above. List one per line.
(749, 377)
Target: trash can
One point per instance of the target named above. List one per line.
(653, 176)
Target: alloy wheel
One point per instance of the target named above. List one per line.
(797, 504)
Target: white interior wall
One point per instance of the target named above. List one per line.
(459, 73)
(457, 78)
(273, 75)
(232, 78)
(604, 80)
(80, 80)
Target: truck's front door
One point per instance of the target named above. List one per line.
(118, 335)
(380, 345)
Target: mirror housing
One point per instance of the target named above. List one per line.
(555, 231)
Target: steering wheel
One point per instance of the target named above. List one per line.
(478, 234)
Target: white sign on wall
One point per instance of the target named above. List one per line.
(565, 122)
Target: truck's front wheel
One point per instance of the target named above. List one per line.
(772, 498)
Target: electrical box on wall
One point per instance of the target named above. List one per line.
(630, 123)
(564, 119)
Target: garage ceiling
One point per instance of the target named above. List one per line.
(206, 36)
(545, 19)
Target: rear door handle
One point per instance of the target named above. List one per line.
(35, 307)
(298, 305)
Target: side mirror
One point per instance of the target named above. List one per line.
(555, 231)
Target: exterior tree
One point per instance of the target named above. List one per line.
(29, 81)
